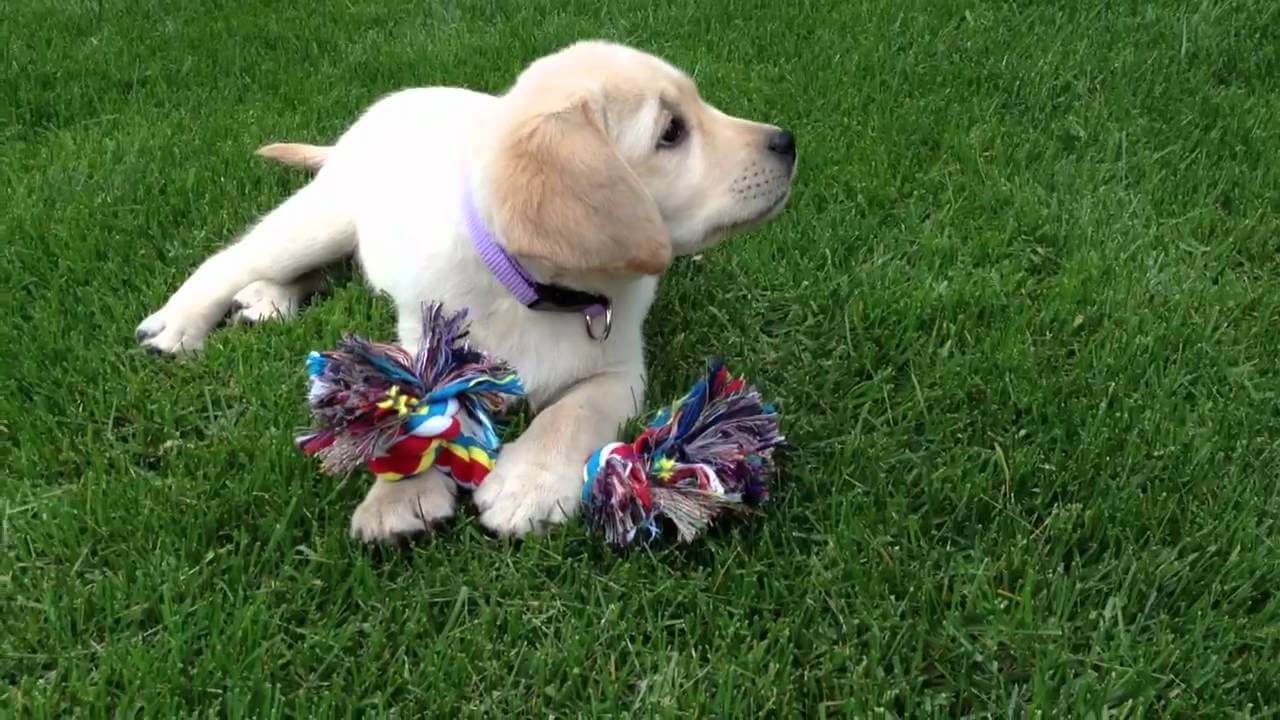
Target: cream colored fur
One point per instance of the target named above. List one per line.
(571, 169)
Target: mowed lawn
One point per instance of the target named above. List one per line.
(1022, 318)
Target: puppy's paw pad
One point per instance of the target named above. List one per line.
(402, 511)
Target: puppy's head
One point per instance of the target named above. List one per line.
(606, 158)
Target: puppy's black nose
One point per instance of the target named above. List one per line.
(783, 143)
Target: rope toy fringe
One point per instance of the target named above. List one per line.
(708, 454)
(399, 414)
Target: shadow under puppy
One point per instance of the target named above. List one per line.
(547, 212)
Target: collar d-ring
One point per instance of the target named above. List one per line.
(588, 318)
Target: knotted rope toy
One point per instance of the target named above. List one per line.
(706, 455)
(399, 414)
(710, 453)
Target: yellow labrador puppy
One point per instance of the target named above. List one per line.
(547, 212)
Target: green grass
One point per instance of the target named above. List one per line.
(1023, 318)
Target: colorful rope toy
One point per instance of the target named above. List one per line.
(709, 453)
(376, 405)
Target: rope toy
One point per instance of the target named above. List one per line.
(708, 454)
(399, 414)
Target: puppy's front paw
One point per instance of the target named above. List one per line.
(518, 498)
(403, 510)
(173, 332)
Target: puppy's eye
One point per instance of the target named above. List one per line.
(674, 133)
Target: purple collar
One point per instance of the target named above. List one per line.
(523, 287)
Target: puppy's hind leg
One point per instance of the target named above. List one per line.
(310, 229)
(266, 300)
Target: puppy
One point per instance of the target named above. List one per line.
(547, 212)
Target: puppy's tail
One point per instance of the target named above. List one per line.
(298, 155)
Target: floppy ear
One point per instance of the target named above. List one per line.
(561, 194)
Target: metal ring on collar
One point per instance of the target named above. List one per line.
(608, 324)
